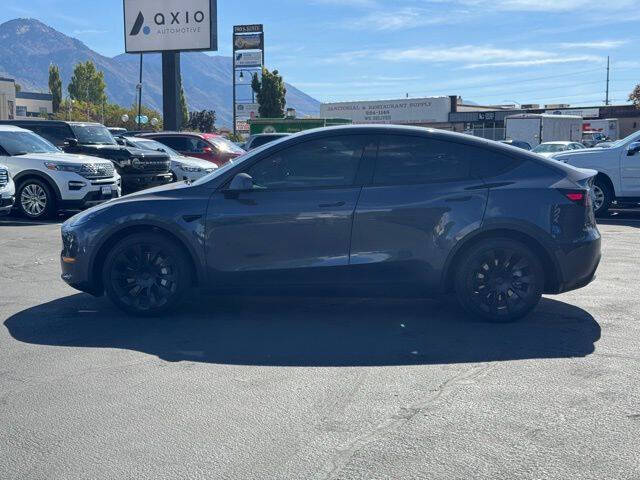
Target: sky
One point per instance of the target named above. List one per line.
(488, 52)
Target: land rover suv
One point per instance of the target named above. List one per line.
(139, 169)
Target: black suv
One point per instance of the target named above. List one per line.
(383, 210)
(139, 169)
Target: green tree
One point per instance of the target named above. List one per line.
(270, 94)
(203, 121)
(55, 87)
(18, 87)
(184, 111)
(635, 96)
(87, 84)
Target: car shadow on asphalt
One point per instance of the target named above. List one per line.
(311, 331)
(626, 217)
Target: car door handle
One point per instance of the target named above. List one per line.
(459, 199)
(329, 205)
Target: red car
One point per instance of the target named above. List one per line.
(208, 146)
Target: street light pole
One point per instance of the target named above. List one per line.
(139, 88)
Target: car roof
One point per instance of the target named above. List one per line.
(12, 128)
(170, 133)
(558, 142)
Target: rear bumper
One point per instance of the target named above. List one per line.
(578, 262)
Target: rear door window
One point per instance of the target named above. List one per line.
(179, 144)
(406, 160)
(411, 159)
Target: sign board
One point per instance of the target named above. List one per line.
(247, 110)
(248, 42)
(247, 28)
(170, 25)
(578, 112)
(248, 59)
(242, 126)
(404, 111)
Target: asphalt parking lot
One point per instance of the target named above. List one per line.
(273, 388)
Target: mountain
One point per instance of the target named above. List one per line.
(28, 46)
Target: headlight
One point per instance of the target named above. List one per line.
(60, 167)
(185, 168)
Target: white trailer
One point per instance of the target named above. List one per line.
(535, 128)
(608, 126)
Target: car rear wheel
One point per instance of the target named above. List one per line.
(499, 279)
(602, 198)
(146, 275)
(35, 200)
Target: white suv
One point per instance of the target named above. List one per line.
(7, 190)
(48, 180)
(618, 171)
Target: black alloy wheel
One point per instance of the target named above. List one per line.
(146, 275)
(500, 280)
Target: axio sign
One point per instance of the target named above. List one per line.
(169, 25)
(404, 111)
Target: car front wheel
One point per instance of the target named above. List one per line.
(35, 200)
(499, 279)
(146, 275)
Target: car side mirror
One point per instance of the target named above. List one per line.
(71, 142)
(207, 150)
(242, 181)
(634, 148)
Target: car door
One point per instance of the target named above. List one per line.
(630, 172)
(423, 197)
(294, 226)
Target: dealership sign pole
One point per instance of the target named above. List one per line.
(248, 58)
(170, 27)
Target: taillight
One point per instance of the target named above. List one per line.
(580, 197)
(576, 197)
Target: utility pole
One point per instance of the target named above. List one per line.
(606, 101)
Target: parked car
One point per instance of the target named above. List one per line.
(7, 190)
(375, 210)
(549, 148)
(604, 144)
(517, 143)
(207, 146)
(255, 141)
(48, 180)
(117, 131)
(591, 139)
(618, 168)
(139, 169)
(182, 167)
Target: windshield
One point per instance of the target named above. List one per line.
(225, 145)
(549, 147)
(152, 145)
(634, 137)
(20, 143)
(93, 135)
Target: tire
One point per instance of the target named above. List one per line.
(35, 199)
(603, 198)
(507, 269)
(146, 275)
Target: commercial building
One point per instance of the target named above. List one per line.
(22, 104)
(451, 113)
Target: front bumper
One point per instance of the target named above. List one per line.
(90, 199)
(135, 182)
(7, 197)
(74, 261)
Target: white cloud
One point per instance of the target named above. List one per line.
(399, 19)
(463, 53)
(595, 45)
(536, 62)
(543, 5)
